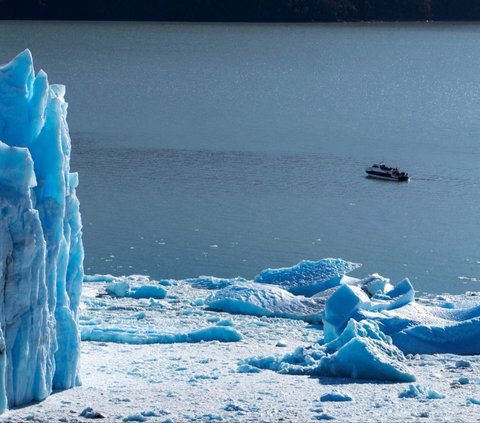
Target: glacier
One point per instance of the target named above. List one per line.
(41, 250)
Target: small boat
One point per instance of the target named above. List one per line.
(381, 171)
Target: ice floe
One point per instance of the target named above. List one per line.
(265, 300)
(133, 336)
(369, 324)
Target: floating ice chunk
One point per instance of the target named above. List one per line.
(98, 278)
(211, 282)
(364, 352)
(417, 391)
(324, 416)
(349, 301)
(233, 407)
(90, 413)
(122, 289)
(215, 333)
(401, 295)
(376, 284)
(225, 322)
(354, 329)
(463, 364)
(148, 291)
(265, 300)
(417, 328)
(413, 327)
(247, 368)
(302, 361)
(140, 315)
(135, 336)
(118, 289)
(135, 418)
(335, 396)
(413, 391)
(432, 394)
(308, 277)
(340, 307)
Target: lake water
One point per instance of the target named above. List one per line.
(225, 149)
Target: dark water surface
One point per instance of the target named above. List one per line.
(225, 149)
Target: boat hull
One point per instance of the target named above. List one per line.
(387, 177)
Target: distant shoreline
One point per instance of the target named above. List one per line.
(244, 11)
(425, 21)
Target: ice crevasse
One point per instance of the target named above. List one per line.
(41, 251)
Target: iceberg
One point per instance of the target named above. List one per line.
(349, 301)
(413, 327)
(211, 282)
(41, 251)
(418, 391)
(361, 351)
(427, 329)
(308, 277)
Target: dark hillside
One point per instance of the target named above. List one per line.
(243, 10)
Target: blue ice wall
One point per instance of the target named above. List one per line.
(41, 251)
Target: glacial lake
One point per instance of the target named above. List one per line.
(212, 149)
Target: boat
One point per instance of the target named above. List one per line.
(381, 171)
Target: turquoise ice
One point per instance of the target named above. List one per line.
(41, 251)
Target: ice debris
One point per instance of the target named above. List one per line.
(308, 277)
(323, 416)
(348, 300)
(417, 391)
(123, 289)
(335, 396)
(355, 349)
(211, 282)
(135, 418)
(463, 364)
(362, 351)
(90, 413)
(41, 252)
